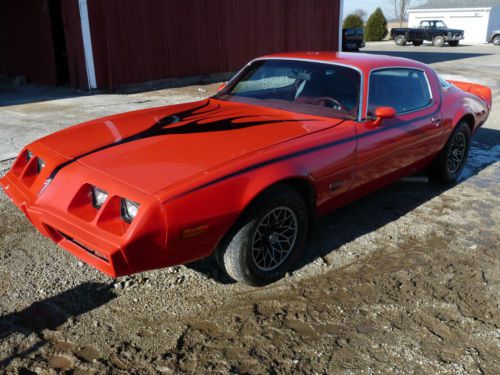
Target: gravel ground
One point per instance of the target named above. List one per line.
(406, 280)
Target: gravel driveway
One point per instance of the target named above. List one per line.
(406, 280)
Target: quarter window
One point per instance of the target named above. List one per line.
(403, 89)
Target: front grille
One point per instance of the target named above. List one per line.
(95, 253)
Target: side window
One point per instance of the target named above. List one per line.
(404, 89)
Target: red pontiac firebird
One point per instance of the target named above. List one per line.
(243, 173)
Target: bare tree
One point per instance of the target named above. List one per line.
(361, 13)
(400, 8)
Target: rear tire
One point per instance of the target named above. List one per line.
(417, 43)
(496, 40)
(451, 161)
(400, 40)
(453, 43)
(438, 41)
(268, 239)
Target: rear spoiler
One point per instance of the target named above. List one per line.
(483, 92)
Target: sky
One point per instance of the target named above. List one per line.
(370, 5)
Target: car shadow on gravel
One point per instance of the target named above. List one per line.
(51, 313)
(375, 210)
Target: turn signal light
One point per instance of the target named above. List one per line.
(194, 231)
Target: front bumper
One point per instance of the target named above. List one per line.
(453, 38)
(91, 248)
(101, 240)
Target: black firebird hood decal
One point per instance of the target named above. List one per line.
(190, 120)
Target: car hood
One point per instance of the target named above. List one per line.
(454, 31)
(155, 148)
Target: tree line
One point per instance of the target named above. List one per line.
(375, 28)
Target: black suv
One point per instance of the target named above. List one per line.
(352, 39)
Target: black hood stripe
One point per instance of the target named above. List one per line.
(194, 120)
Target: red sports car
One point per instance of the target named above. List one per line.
(243, 173)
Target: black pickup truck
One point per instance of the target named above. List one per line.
(434, 31)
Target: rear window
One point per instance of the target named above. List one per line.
(444, 83)
(404, 89)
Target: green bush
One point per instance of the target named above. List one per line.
(376, 26)
(353, 21)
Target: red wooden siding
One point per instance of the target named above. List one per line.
(74, 44)
(141, 40)
(26, 40)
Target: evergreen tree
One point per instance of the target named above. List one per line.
(376, 26)
(353, 21)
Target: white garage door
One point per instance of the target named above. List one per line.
(475, 26)
(473, 22)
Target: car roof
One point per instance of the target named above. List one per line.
(362, 61)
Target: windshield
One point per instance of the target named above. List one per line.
(440, 25)
(302, 86)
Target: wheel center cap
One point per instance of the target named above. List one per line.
(273, 238)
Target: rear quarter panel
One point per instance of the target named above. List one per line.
(463, 100)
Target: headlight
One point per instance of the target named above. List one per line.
(129, 210)
(99, 196)
(40, 164)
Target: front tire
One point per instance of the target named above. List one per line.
(268, 239)
(438, 41)
(452, 159)
(496, 40)
(400, 40)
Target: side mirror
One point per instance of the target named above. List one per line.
(221, 86)
(382, 113)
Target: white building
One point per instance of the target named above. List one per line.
(478, 18)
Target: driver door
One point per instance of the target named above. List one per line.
(397, 146)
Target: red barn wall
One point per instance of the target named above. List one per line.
(74, 44)
(142, 40)
(26, 44)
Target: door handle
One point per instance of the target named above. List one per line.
(436, 121)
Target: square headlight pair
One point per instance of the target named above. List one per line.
(128, 210)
